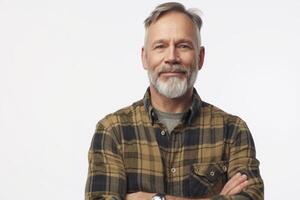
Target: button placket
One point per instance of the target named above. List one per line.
(173, 170)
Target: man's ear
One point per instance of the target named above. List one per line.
(143, 57)
(201, 57)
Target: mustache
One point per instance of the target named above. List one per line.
(172, 68)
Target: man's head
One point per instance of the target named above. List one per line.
(172, 52)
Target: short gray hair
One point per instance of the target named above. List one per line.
(164, 8)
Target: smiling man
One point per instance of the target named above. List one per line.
(172, 145)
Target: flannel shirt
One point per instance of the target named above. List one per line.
(131, 151)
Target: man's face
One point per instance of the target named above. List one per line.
(171, 54)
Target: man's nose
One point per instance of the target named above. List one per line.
(172, 56)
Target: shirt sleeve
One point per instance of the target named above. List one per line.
(106, 175)
(242, 158)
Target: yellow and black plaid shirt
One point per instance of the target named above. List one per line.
(132, 151)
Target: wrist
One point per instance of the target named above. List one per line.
(159, 196)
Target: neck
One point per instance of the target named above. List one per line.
(176, 105)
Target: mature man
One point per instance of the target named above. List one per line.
(171, 144)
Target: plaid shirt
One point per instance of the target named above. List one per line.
(131, 151)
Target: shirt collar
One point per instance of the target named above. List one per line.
(187, 118)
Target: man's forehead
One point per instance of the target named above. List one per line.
(173, 17)
(172, 25)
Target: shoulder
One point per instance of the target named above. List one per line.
(126, 115)
(217, 114)
(231, 126)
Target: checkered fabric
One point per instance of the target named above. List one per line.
(132, 151)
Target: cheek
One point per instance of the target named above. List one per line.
(154, 60)
(190, 60)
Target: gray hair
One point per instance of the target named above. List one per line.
(164, 8)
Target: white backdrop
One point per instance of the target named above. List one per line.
(65, 64)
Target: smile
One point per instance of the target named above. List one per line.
(170, 74)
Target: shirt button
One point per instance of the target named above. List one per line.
(163, 132)
(173, 170)
(225, 168)
(212, 173)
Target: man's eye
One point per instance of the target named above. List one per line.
(159, 46)
(184, 46)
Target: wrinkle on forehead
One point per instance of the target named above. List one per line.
(172, 26)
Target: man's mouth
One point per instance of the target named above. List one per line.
(172, 73)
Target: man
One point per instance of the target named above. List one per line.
(172, 145)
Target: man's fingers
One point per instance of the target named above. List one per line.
(238, 188)
(228, 185)
(236, 183)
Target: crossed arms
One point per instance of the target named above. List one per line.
(232, 187)
(111, 176)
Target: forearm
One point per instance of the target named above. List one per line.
(169, 197)
(218, 197)
(148, 196)
(96, 196)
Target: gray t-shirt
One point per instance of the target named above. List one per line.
(170, 120)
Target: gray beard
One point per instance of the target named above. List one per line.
(173, 87)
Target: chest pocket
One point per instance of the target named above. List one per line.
(207, 179)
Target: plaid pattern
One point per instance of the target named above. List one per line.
(131, 152)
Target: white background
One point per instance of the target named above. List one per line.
(65, 64)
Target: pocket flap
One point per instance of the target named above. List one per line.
(211, 171)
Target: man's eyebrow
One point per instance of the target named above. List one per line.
(158, 41)
(185, 41)
(177, 42)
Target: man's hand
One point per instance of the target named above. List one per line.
(235, 184)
